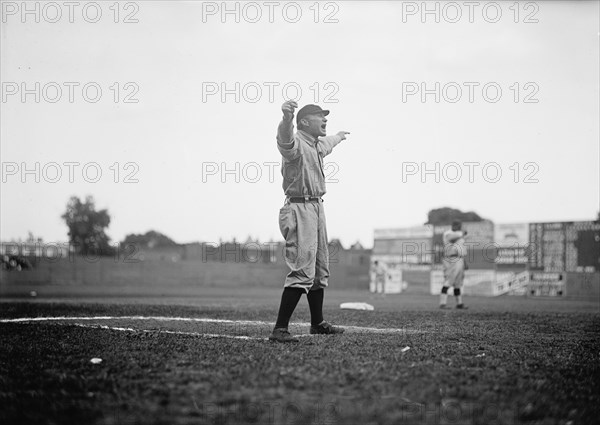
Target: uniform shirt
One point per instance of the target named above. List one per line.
(454, 243)
(380, 271)
(302, 160)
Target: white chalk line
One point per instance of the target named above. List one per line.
(205, 335)
(194, 319)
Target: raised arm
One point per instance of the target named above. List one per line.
(451, 236)
(285, 131)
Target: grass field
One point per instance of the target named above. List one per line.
(503, 361)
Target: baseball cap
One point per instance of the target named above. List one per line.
(310, 110)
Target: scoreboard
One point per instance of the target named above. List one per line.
(565, 246)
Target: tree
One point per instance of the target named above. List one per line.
(151, 239)
(445, 216)
(86, 227)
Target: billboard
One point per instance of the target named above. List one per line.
(511, 235)
(512, 256)
(415, 232)
(410, 245)
(511, 284)
(545, 284)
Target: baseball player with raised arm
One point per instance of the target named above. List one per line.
(302, 218)
(453, 263)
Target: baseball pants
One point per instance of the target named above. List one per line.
(304, 229)
(454, 271)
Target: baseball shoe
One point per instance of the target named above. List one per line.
(462, 307)
(282, 335)
(326, 329)
(443, 306)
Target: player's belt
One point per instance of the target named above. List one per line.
(302, 199)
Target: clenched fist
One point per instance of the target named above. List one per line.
(288, 109)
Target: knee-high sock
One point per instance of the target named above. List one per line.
(289, 301)
(444, 295)
(458, 295)
(315, 303)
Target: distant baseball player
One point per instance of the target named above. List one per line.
(381, 274)
(454, 263)
(302, 218)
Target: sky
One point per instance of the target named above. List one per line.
(168, 116)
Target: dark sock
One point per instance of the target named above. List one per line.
(315, 303)
(289, 301)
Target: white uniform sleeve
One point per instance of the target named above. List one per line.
(285, 140)
(451, 236)
(328, 143)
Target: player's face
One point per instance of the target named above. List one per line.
(316, 125)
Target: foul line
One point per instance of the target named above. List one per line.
(113, 328)
(193, 319)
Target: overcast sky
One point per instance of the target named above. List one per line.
(541, 130)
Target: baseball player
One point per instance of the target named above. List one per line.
(381, 275)
(302, 218)
(454, 263)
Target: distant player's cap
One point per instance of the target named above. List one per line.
(310, 110)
